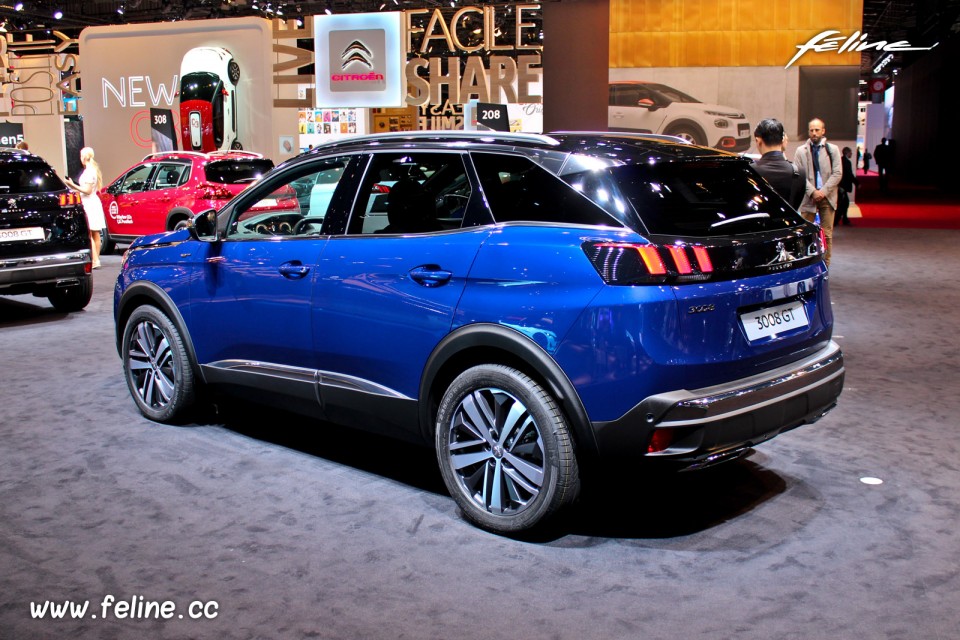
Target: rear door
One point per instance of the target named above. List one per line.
(386, 291)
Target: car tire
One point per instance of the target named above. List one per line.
(504, 449)
(107, 245)
(156, 365)
(74, 298)
(181, 223)
(688, 131)
(233, 71)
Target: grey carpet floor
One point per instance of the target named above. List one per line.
(301, 530)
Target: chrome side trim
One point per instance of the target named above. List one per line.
(298, 374)
(302, 374)
(32, 262)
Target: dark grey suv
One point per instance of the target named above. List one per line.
(44, 238)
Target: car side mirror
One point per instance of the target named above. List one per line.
(204, 225)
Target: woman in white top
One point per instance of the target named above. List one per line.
(91, 180)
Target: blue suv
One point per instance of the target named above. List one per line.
(525, 304)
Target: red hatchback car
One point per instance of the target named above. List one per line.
(165, 190)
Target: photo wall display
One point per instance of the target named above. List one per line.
(317, 126)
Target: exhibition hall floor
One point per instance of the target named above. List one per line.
(258, 524)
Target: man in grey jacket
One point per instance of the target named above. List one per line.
(821, 161)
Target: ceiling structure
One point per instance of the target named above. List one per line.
(922, 23)
(919, 22)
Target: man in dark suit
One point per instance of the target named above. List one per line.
(847, 180)
(785, 178)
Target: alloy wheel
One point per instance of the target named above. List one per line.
(152, 365)
(496, 451)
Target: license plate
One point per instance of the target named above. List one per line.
(743, 130)
(770, 322)
(19, 235)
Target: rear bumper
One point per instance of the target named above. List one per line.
(36, 273)
(712, 423)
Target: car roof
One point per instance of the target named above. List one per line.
(213, 155)
(627, 148)
(8, 155)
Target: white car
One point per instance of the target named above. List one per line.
(649, 107)
(208, 100)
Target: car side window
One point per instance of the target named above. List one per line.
(518, 190)
(169, 175)
(292, 207)
(409, 193)
(622, 96)
(137, 180)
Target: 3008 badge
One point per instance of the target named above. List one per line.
(772, 321)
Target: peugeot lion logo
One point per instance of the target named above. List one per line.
(356, 51)
(782, 259)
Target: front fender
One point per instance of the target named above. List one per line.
(144, 292)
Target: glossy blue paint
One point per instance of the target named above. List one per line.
(633, 342)
(374, 317)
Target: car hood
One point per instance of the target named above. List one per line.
(159, 239)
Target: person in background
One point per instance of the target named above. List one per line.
(23, 145)
(882, 156)
(821, 162)
(785, 177)
(847, 180)
(91, 181)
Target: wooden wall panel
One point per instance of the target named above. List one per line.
(726, 33)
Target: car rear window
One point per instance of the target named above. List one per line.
(237, 171)
(199, 86)
(697, 199)
(29, 177)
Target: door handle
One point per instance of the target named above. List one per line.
(430, 275)
(294, 270)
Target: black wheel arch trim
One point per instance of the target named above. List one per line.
(133, 298)
(522, 348)
(177, 212)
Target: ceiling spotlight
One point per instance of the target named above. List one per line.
(57, 14)
(120, 9)
(254, 6)
(18, 6)
(328, 10)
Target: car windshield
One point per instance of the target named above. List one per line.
(237, 171)
(33, 177)
(199, 86)
(693, 199)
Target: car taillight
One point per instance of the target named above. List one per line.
(823, 242)
(634, 263)
(211, 191)
(69, 199)
(380, 188)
